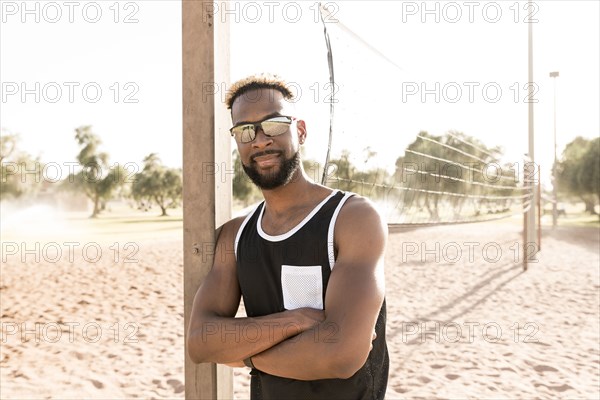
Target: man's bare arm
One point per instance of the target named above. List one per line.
(340, 345)
(214, 334)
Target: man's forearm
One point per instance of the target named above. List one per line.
(314, 354)
(225, 340)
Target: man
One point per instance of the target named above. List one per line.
(308, 262)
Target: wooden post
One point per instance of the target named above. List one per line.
(526, 183)
(539, 208)
(524, 247)
(206, 154)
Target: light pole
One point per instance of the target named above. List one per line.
(529, 217)
(554, 180)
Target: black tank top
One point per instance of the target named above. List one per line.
(290, 271)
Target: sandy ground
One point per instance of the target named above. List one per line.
(469, 324)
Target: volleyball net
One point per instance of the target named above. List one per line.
(378, 148)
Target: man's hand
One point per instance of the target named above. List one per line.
(307, 318)
(373, 337)
(312, 316)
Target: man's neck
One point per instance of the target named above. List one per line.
(297, 193)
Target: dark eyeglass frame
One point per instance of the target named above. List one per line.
(238, 130)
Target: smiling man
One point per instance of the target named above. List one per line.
(308, 262)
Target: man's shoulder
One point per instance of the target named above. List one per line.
(230, 228)
(360, 233)
(359, 208)
(239, 217)
(359, 214)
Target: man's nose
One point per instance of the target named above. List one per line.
(261, 140)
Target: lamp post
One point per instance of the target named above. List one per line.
(554, 180)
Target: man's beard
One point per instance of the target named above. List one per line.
(272, 180)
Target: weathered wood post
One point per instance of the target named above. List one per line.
(206, 159)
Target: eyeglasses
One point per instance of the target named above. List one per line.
(273, 126)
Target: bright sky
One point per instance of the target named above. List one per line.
(442, 47)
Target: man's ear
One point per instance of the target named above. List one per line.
(301, 129)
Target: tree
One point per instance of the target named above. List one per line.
(158, 184)
(20, 174)
(341, 173)
(344, 175)
(436, 167)
(242, 187)
(589, 172)
(8, 144)
(97, 179)
(578, 171)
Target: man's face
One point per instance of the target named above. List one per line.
(270, 162)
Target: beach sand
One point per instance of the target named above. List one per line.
(470, 324)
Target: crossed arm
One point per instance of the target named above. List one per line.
(304, 344)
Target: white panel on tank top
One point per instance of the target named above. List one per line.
(302, 286)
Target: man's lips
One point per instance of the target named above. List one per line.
(266, 160)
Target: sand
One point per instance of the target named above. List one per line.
(462, 326)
